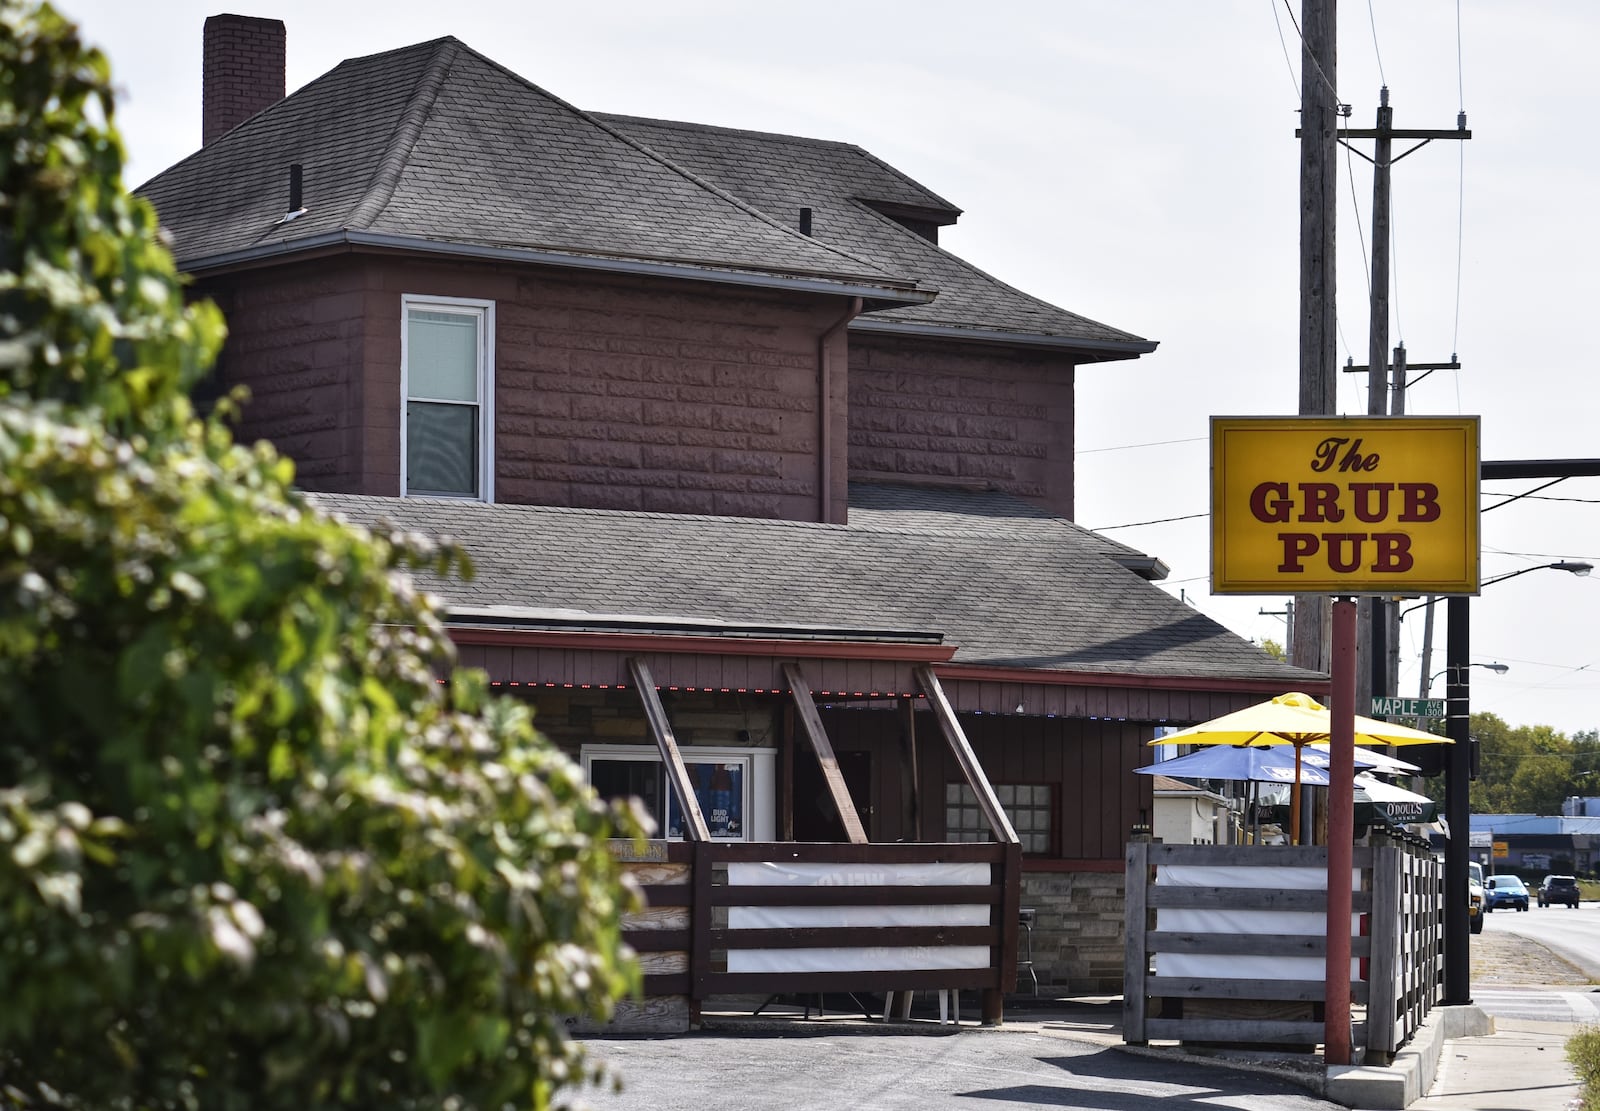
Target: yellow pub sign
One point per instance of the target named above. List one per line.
(1344, 505)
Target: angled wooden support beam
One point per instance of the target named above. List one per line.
(811, 721)
(694, 823)
(957, 740)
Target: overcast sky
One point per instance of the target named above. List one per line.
(1136, 162)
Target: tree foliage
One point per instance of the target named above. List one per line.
(253, 854)
(1528, 769)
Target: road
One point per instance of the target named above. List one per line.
(1573, 934)
(1513, 979)
(974, 1069)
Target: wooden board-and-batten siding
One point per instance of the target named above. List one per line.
(1154, 701)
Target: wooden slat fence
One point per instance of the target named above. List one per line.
(1269, 975)
(799, 917)
(735, 918)
(1408, 943)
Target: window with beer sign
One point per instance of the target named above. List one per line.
(1344, 505)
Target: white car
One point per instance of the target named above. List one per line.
(1475, 896)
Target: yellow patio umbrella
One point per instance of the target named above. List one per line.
(1292, 719)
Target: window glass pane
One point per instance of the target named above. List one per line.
(442, 355)
(441, 449)
(620, 779)
(719, 788)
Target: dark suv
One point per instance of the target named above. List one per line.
(1558, 889)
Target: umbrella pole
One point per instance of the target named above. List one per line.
(1294, 800)
(1254, 789)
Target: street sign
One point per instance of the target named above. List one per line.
(1501, 850)
(1407, 707)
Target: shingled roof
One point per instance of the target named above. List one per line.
(849, 192)
(436, 147)
(1025, 591)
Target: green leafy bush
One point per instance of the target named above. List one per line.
(1583, 1050)
(253, 853)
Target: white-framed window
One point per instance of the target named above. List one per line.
(735, 787)
(447, 386)
(1031, 808)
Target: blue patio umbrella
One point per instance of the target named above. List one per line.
(1251, 764)
(1247, 762)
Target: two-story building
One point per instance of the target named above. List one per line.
(752, 471)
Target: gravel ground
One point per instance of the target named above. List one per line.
(1505, 958)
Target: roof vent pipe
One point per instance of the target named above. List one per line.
(296, 208)
(805, 221)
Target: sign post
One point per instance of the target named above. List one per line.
(1347, 506)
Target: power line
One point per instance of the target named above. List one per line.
(1461, 196)
(1294, 77)
(1339, 108)
(1152, 443)
(1157, 521)
(1550, 497)
(1372, 20)
(1394, 274)
(1518, 497)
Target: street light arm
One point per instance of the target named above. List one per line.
(1573, 567)
(1497, 667)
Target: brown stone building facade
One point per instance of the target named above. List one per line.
(690, 430)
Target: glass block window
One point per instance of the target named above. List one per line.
(1031, 808)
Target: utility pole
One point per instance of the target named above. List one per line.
(1378, 635)
(1369, 630)
(1319, 128)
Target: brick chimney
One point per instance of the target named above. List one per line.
(243, 71)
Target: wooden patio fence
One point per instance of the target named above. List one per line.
(730, 918)
(1190, 906)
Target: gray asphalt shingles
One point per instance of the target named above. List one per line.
(780, 174)
(1005, 597)
(438, 142)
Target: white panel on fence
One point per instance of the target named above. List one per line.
(780, 874)
(780, 918)
(1269, 922)
(1272, 879)
(909, 959)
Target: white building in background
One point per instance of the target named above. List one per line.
(1190, 815)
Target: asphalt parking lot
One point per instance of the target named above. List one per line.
(975, 1068)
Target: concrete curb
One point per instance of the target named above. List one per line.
(1309, 1078)
(1396, 1086)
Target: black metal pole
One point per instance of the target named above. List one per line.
(1458, 812)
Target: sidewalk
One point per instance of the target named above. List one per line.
(1521, 1065)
